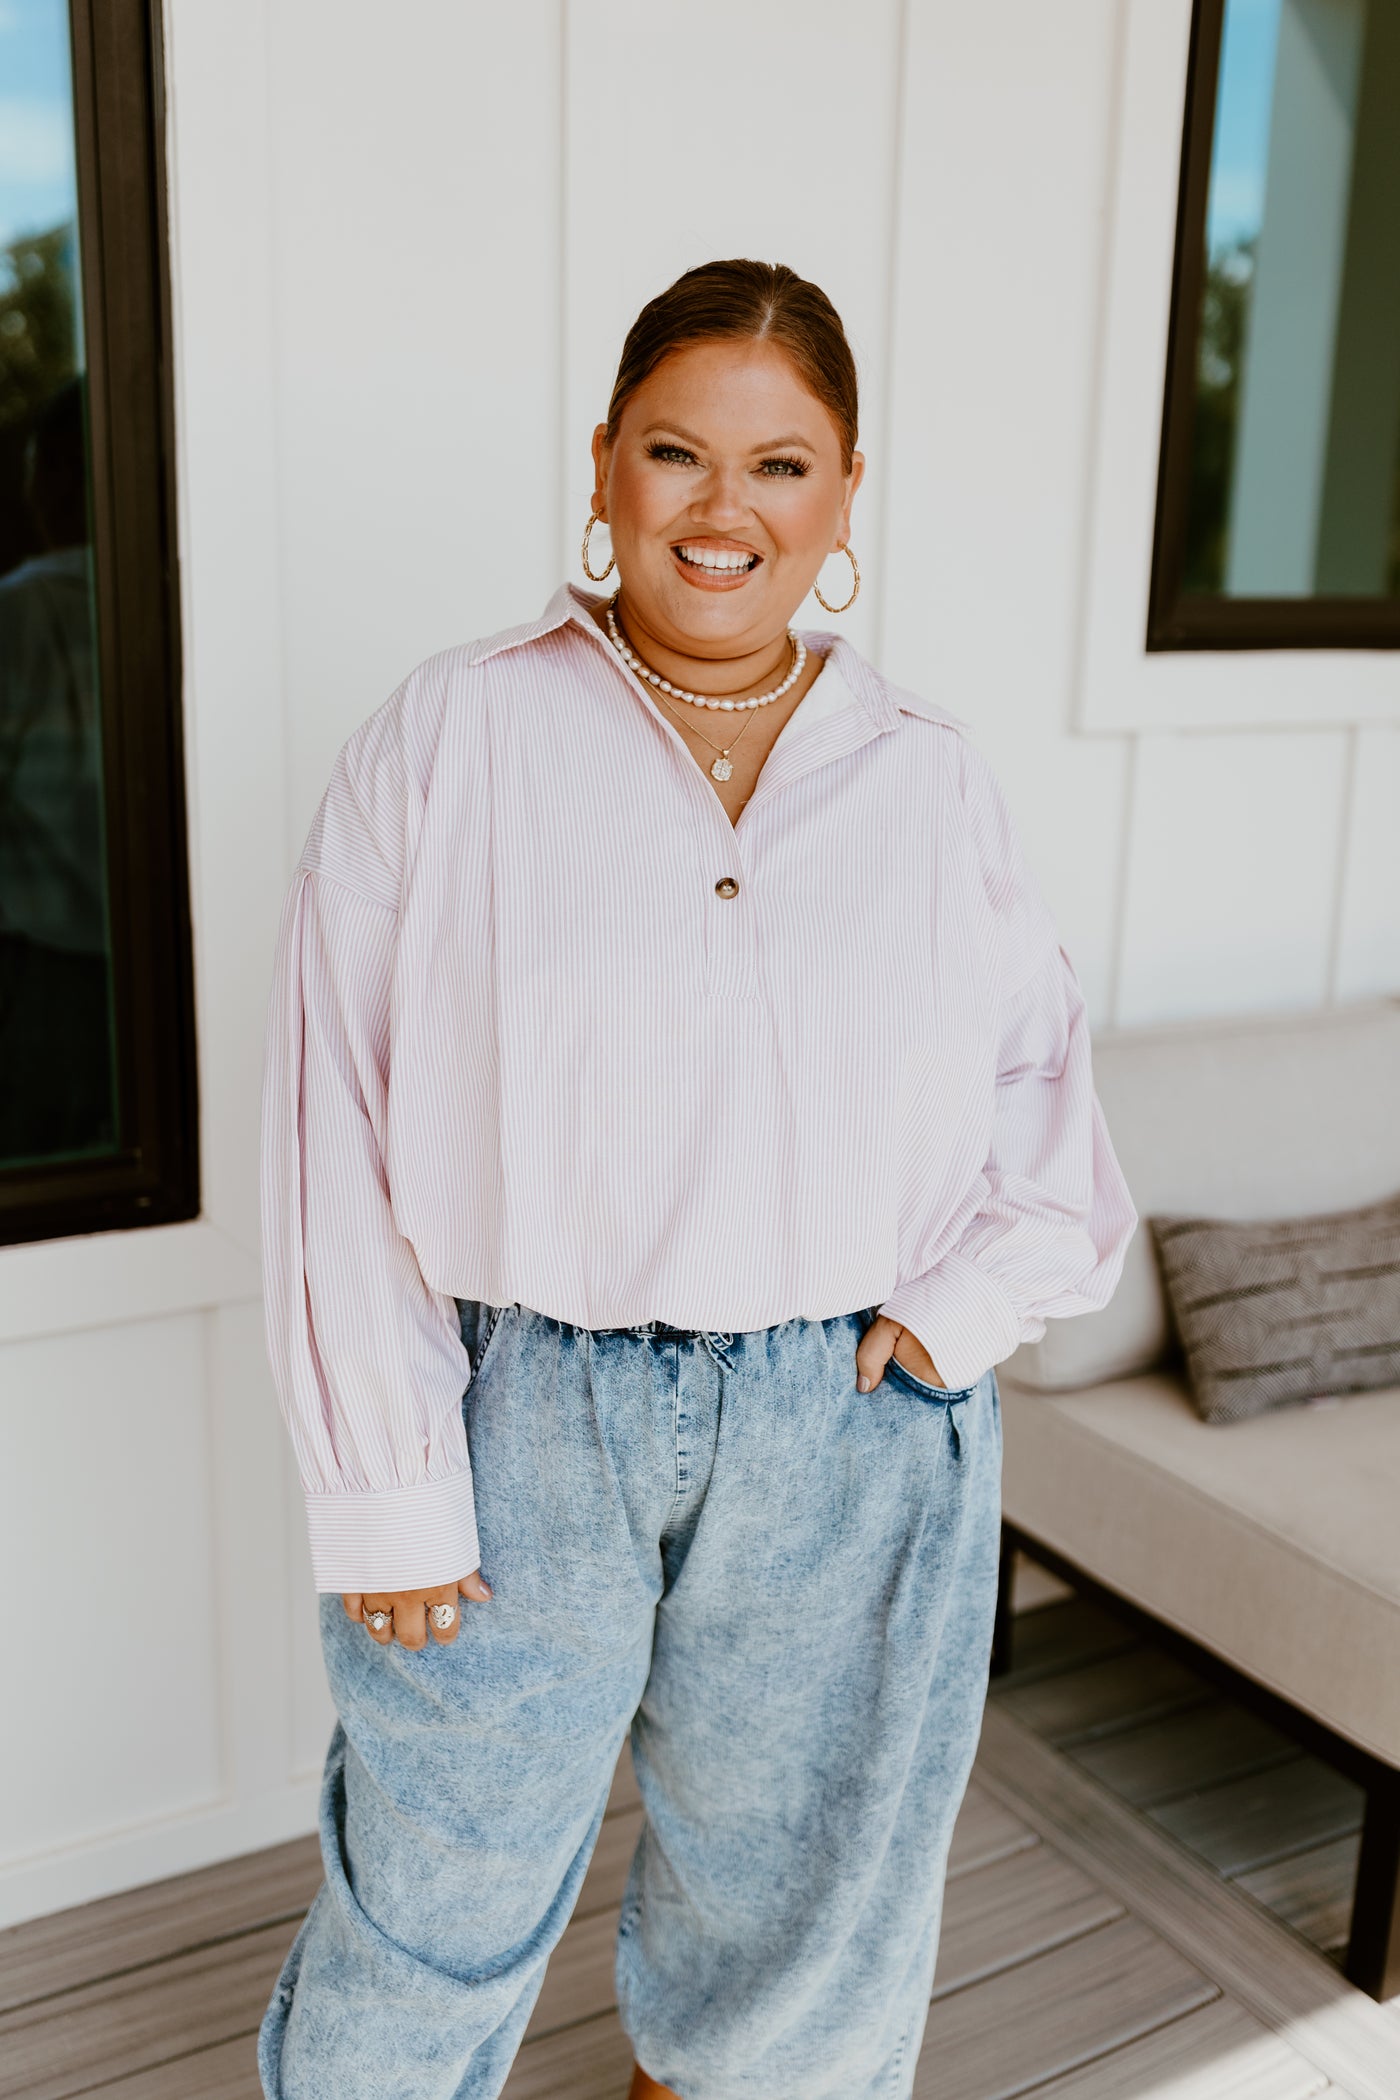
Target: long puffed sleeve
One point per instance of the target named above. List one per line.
(368, 1360)
(1052, 1226)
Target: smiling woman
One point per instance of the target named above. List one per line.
(664, 1139)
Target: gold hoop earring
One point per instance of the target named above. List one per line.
(612, 558)
(855, 583)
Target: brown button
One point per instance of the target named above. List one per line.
(727, 886)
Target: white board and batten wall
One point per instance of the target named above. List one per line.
(405, 246)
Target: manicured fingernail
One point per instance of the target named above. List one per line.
(487, 1587)
(863, 1383)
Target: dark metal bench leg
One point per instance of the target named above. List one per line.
(1373, 1951)
(1001, 1631)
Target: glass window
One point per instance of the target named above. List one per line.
(56, 1048)
(97, 1080)
(1279, 511)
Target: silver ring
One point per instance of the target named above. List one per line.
(378, 1619)
(443, 1614)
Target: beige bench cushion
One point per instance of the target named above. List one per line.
(1274, 1542)
(1263, 1116)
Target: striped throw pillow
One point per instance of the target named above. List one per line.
(1286, 1309)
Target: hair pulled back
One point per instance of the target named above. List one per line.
(738, 300)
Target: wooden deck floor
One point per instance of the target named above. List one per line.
(1105, 1934)
(1266, 1815)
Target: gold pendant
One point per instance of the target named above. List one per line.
(721, 769)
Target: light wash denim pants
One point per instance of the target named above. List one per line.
(784, 1589)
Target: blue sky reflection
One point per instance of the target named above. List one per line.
(1240, 147)
(37, 181)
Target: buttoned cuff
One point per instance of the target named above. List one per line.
(962, 1317)
(406, 1538)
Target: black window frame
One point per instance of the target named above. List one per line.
(1177, 619)
(152, 1175)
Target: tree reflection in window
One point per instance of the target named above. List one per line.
(56, 1054)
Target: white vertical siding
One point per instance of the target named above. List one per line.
(1234, 863)
(416, 244)
(99, 1527)
(371, 466)
(1003, 164)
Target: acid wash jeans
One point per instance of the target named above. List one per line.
(783, 1588)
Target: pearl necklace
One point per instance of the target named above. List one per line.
(678, 692)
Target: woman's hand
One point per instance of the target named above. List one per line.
(885, 1338)
(408, 1609)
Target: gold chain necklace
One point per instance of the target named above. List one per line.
(721, 768)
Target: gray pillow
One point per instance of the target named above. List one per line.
(1283, 1309)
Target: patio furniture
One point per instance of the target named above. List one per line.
(1265, 1552)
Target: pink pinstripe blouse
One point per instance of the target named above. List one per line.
(521, 1047)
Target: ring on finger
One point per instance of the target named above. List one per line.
(443, 1615)
(377, 1620)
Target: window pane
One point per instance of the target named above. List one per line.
(1295, 469)
(57, 1092)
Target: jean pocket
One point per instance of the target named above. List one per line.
(895, 1370)
(948, 1395)
(492, 1323)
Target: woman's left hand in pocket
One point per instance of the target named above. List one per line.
(885, 1338)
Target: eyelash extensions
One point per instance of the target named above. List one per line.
(659, 449)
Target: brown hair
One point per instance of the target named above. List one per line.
(727, 301)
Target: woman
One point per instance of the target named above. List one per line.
(677, 1102)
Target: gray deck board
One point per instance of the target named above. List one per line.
(985, 1830)
(1018, 1906)
(579, 1980)
(70, 2044)
(93, 1940)
(228, 2071)
(592, 2061)
(1119, 1691)
(1248, 1823)
(1238, 1792)
(1182, 1752)
(624, 1794)
(1273, 1973)
(1216, 2053)
(607, 1870)
(1027, 2024)
(1059, 1636)
(1311, 1891)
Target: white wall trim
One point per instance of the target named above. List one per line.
(99, 1279)
(1123, 686)
(154, 1848)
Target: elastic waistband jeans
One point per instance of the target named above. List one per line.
(783, 1590)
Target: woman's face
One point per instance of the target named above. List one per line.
(724, 492)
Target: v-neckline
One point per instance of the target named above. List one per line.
(767, 783)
